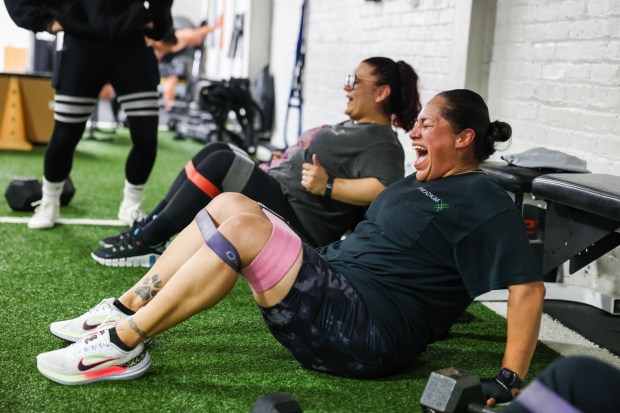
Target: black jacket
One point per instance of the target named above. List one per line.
(107, 21)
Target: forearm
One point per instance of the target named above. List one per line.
(356, 191)
(525, 304)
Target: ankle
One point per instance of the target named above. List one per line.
(123, 308)
(130, 303)
(116, 340)
(133, 194)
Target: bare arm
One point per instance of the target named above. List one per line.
(360, 191)
(356, 191)
(525, 302)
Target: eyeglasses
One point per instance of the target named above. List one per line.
(351, 80)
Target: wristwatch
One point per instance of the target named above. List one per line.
(510, 378)
(329, 186)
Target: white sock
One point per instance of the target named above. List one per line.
(52, 191)
(133, 194)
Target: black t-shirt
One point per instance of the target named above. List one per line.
(346, 150)
(426, 249)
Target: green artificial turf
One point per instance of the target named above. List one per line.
(217, 361)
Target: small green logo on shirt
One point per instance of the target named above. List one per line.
(440, 206)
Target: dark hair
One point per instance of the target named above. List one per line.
(465, 109)
(404, 102)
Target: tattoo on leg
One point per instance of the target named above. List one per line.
(137, 329)
(149, 288)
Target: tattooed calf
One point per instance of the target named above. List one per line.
(149, 288)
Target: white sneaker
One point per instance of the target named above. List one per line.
(93, 359)
(102, 316)
(130, 213)
(45, 215)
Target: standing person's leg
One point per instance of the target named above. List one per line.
(77, 80)
(135, 77)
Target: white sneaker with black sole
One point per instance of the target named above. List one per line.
(130, 251)
(91, 359)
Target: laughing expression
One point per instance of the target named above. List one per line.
(363, 100)
(435, 143)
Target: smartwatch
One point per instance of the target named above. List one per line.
(329, 186)
(510, 378)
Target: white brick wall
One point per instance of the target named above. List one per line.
(555, 77)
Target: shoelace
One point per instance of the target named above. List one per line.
(104, 324)
(88, 344)
(127, 243)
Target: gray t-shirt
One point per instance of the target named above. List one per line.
(346, 150)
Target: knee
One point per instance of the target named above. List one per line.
(229, 204)
(248, 232)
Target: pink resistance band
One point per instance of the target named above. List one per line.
(276, 258)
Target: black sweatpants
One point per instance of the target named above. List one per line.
(81, 69)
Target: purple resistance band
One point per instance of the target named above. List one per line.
(217, 242)
(538, 399)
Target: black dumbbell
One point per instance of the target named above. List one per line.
(23, 192)
(275, 403)
(453, 390)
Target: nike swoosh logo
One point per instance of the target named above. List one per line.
(86, 367)
(87, 326)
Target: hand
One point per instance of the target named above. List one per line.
(314, 177)
(55, 27)
(496, 392)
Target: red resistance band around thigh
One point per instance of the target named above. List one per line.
(275, 259)
(200, 181)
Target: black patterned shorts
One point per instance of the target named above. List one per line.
(324, 323)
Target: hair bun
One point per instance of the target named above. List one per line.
(500, 131)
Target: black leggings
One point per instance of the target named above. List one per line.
(81, 69)
(184, 199)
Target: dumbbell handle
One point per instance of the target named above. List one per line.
(478, 408)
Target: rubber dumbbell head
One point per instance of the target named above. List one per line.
(453, 390)
(23, 192)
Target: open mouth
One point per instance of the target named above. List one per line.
(421, 153)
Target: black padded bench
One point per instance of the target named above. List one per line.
(514, 179)
(581, 224)
(577, 222)
(518, 181)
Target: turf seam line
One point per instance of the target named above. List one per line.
(68, 221)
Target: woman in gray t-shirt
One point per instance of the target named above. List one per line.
(320, 186)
